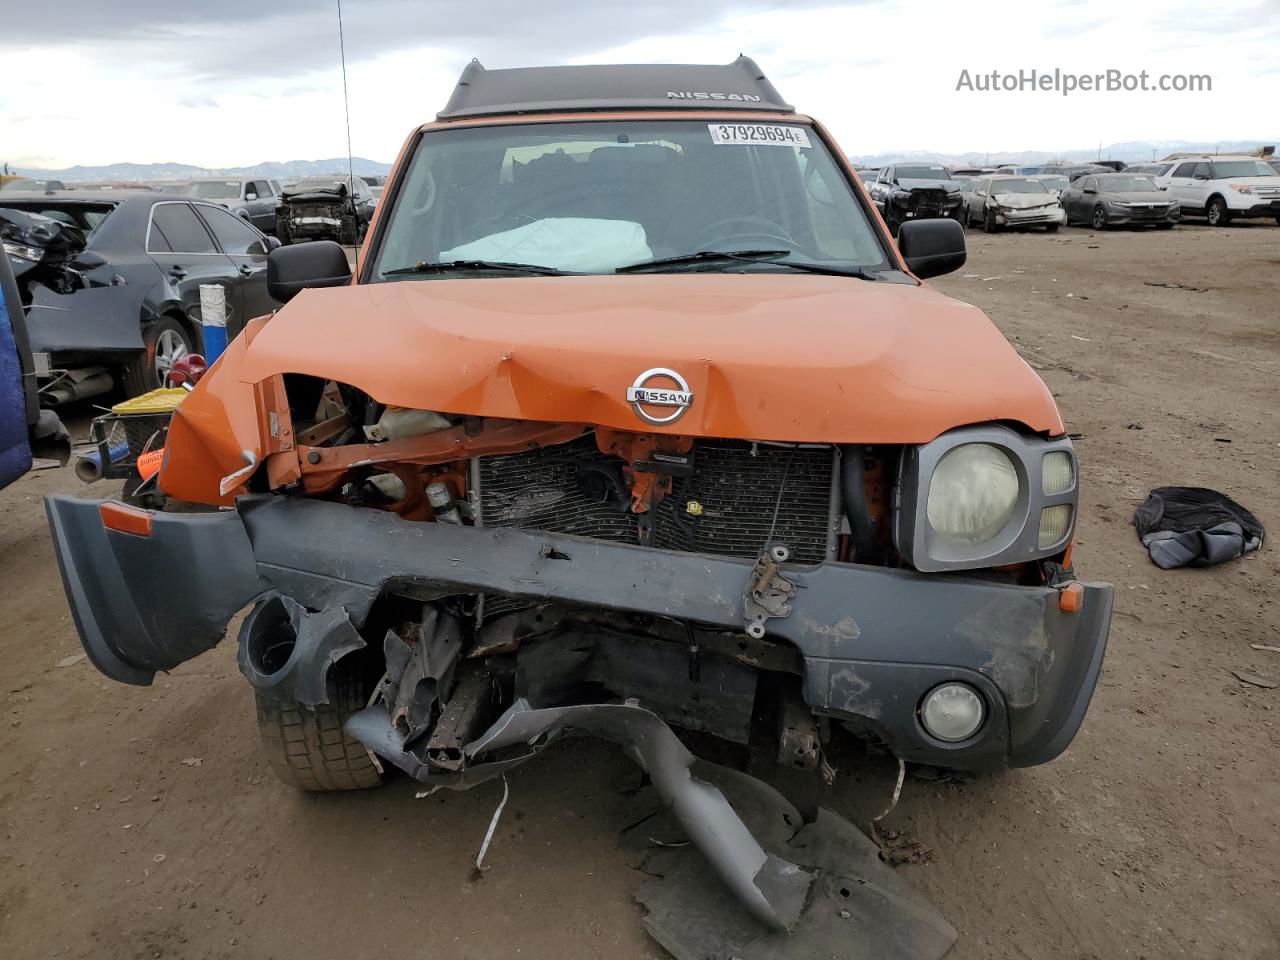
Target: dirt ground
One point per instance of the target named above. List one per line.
(143, 822)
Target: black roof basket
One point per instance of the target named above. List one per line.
(735, 86)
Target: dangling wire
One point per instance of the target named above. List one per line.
(346, 106)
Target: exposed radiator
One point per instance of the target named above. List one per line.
(733, 491)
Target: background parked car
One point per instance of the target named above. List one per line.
(1055, 182)
(1073, 170)
(251, 200)
(998, 202)
(1153, 170)
(1108, 199)
(27, 185)
(915, 191)
(375, 183)
(1225, 188)
(326, 208)
(111, 283)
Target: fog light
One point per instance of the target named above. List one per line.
(1054, 524)
(952, 712)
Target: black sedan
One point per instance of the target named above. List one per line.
(112, 283)
(1108, 199)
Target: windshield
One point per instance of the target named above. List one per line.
(1127, 184)
(594, 196)
(1242, 168)
(1055, 183)
(1018, 186)
(923, 173)
(213, 189)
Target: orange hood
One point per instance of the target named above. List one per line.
(766, 356)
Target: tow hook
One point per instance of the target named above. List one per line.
(768, 592)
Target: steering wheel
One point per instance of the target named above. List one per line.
(749, 233)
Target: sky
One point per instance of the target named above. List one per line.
(239, 82)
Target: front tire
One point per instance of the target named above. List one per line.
(1052, 227)
(1098, 220)
(1217, 212)
(310, 748)
(163, 343)
(989, 224)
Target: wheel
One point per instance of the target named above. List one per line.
(1098, 220)
(1217, 212)
(1164, 226)
(310, 748)
(1051, 227)
(163, 344)
(989, 222)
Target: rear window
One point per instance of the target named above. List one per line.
(87, 216)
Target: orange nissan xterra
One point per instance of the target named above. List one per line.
(632, 414)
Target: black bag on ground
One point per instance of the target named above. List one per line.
(1196, 527)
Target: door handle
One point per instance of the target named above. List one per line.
(246, 270)
(177, 272)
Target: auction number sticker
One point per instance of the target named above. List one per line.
(764, 134)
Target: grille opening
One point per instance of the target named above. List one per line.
(725, 507)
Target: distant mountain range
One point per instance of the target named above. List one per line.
(1134, 151)
(272, 170)
(1130, 152)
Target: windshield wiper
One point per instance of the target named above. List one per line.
(711, 258)
(714, 258)
(476, 266)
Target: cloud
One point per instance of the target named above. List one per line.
(240, 39)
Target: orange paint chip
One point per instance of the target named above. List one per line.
(125, 519)
(1071, 598)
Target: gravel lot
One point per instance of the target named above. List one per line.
(142, 822)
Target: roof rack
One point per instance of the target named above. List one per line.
(740, 85)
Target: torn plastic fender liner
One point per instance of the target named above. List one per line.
(773, 890)
(163, 598)
(286, 652)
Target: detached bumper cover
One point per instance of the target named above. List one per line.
(873, 640)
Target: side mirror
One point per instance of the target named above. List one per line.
(302, 266)
(250, 195)
(932, 247)
(273, 243)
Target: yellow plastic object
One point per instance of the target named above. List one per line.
(163, 400)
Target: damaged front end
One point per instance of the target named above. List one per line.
(922, 202)
(318, 213)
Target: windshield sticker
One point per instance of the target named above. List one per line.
(762, 134)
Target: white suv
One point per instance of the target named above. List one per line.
(1224, 188)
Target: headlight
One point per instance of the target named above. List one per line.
(972, 494)
(23, 252)
(984, 496)
(1241, 187)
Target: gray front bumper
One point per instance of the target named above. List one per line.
(873, 640)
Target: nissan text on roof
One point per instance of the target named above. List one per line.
(633, 416)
